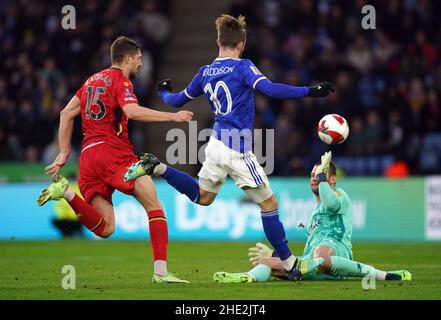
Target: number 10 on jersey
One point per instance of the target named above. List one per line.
(214, 97)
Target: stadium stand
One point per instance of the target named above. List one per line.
(388, 80)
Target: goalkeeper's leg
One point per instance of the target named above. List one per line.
(266, 266)
(273, 267)
(262, 272)
(344, 267)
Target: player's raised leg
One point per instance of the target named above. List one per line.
(181, 181)
(144, 191)
(88, 215)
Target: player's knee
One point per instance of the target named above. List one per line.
(273, 202)
(323, 252)
(269, 204)
(206, 198)
(108, 231)
(205, 201)
(327, 265)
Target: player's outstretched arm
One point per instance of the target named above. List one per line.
(176, 100)
(135, 112)
(328, 197)
(283, 91)
(67, 117)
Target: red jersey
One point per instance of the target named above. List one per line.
(101, 96)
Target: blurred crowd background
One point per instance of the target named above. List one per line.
(43, 65)
(387, 80)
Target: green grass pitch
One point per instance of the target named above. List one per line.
(122, 270)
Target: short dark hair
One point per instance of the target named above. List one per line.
(230, 30)
(332, 169)
(121, 47)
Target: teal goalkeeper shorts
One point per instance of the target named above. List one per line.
(339, 249)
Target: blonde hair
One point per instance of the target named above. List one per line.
(230, 30)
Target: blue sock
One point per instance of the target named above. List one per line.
(275, 233)
(182, 182)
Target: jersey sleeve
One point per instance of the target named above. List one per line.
(125, 93)
(79, 93)
(331, 199)
(250, 74)
(280, 90)
(194, 89)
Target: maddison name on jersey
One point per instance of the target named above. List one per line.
(211, 71)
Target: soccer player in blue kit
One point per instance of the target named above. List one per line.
(229, 83)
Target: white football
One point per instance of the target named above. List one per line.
(333, 129)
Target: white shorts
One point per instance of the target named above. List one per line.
(221, 161)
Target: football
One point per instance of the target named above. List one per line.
(333, 129)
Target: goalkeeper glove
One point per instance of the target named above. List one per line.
(259, 252)
(165, 85)
(320, 90)
(323, 167)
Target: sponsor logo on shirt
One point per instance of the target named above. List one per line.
(128, 95)
(314, 225)
(255, 70)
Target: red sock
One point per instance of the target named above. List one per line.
(88, 216)
(158, 234)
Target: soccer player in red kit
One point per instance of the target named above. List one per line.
(107, 152)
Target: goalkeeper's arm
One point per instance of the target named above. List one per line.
(328, 197)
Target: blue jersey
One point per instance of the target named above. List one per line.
(229, 85)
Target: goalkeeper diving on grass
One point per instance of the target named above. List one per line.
(328, 239)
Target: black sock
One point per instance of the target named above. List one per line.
(393, 277)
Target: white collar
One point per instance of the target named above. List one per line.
(226, 58)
